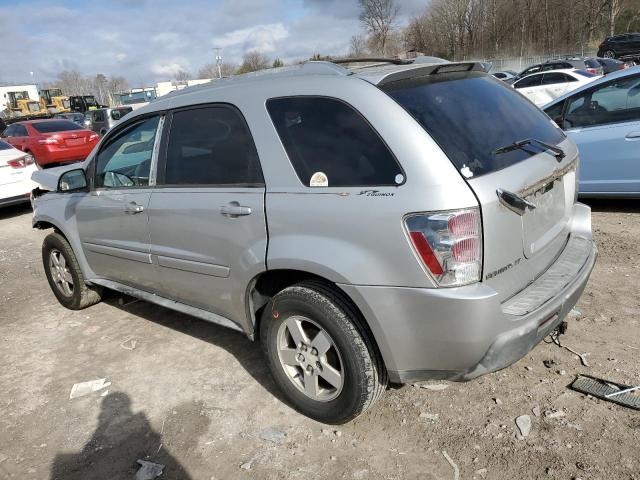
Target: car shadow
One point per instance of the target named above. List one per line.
(247, 352)
(15, 210)
(121, 438)
(620, 205)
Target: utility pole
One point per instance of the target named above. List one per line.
(218, 58)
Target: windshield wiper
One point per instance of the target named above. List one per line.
(522, 144)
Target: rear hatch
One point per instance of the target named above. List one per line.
(473, 117)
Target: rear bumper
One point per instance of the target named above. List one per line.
(462, 333)
(49, 155)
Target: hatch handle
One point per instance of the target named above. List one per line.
(513, 202)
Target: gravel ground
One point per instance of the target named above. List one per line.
(198, 398)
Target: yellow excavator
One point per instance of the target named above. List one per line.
(52, 100)
(21, 107)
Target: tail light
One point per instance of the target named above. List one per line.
(593, 71)
(93, 137)
(49, 141)
(20, 162)
(449, 245)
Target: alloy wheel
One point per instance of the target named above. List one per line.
(60, 273)
(310, 358)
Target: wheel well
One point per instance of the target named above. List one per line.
(42, 225)
(269, 283)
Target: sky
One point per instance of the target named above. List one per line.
(147, 41)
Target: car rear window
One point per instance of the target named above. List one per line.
(331, 144)
(470, 115)
(584, 73)
(117, 114)
(4, 145)
(592, 63)
(55, 126)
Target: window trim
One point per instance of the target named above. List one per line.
(160, 177)
(114, 132)
(366, 121)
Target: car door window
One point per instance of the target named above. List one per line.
(530, 70)
(331, 144)
(9, 132)
(553, 78)
(613, 102)
(211, 146)
(125, 159)
(530, 81)
(20, 131)
(98, 116)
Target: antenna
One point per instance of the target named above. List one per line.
(218, 58)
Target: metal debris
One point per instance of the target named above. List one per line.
(555, 339)
(606, 390)
(148, 470)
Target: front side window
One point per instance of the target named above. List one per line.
(211, 146)
(330, 144)
(471, 116)
(614, 102)
(125, 160)
(20, 131)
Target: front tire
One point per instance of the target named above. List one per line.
(64, 275)
(609, 54)
(320, 354)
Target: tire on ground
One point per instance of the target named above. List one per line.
(365, 377)
(83, 295)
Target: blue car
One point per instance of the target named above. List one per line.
(603, 119)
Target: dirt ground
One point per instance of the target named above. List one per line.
(198, 398)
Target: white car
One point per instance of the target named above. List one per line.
(541, 88)
(16, 168)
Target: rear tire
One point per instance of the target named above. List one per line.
(64, 275)
(609, 54)
(335, 372)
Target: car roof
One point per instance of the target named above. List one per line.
(374, 72)
(607, 78)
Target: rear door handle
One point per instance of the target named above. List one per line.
(633, 135)
(234, 209)
(133, 208)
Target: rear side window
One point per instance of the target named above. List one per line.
(470, 115)
(552, 78)
(530, 81)
(55, 126)
(331, 144)
(211, 146)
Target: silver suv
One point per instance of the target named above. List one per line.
(388, 223)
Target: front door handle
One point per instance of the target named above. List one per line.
(133, 208)
(234, 209)
(633, 135)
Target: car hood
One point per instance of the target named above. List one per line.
(597, 81)
(48, 178)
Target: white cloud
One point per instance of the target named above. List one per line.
(168, 68)
(263, 38)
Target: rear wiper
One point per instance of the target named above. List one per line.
(522, 144)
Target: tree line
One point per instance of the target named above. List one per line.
(452, 29)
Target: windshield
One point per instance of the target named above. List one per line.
(55, 126)
(471, 115)
(90, 100)
(4, 145)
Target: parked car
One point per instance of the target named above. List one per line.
(298, 208)
(586, 64)
(51, 142)
(505, 75)
(541, 88)
(101, 120)
(16, 168)
(72, 116)
(626, 45)
(610, 65)
(603, 119)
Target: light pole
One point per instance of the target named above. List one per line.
(218, 58)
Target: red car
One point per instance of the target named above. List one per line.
(51, 142)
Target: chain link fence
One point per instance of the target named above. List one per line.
(520, 63)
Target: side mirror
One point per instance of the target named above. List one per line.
(73, 181)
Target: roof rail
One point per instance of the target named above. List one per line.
(394, 61)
